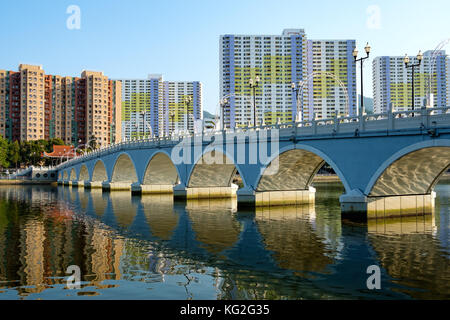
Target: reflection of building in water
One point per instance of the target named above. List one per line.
(32, 255)
(214, 224)
(105, 253)
(160, 216)
(36, 194)
(37, 246)
(288, 232)
(410, 253)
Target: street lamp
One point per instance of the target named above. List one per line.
(253, 86)
(143, 124)
(136, 126)
(172, 116)
(223, 103)
(187, 103)
(412, 66)
(355, 55)
(296, 90)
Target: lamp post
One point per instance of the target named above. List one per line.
(143, 124)
(355, 55)
(223, 103)
(172, 117)
(136, 126)
(412, 66)
(296, 90)
(187, 102)
(253, 85)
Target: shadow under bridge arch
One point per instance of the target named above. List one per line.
(212, 176)
(288, 177)
(160, 175)
(99, 173)
(124, 170)
(84, 173)
(412, 171)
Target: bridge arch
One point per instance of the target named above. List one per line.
(160, 170)
(65, 175)
(414, 170)
(99, 173)
(124, 169)
(60, 176)
(297, 166)
(214, 168)
(73, 175)
(84, 173)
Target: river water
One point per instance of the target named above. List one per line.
(151, 247)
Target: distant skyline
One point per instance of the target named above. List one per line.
(180, 39)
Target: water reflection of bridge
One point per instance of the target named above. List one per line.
(119, 234)
(388, 163)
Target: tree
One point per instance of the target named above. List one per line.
(37, 148)
(93, 145)
(4, 163)
(54, 141)
(14, 153)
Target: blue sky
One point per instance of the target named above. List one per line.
(180, 38)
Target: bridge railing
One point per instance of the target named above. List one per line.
(419, 118)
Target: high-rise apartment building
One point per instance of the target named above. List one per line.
(319, 68)
(182, 106)
(278, 60)
(22, 103)
(10, 99)
(141, 101)
(36, 106)
(103, 108)
(153, 107)
(392, 82)
(332, 79)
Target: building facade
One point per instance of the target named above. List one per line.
(182, 106)
(36, 106)
(153, 107)
(141, 101)
(331, 79)
(315, 66)
(392, 82)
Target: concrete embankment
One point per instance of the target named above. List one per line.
(326, 178)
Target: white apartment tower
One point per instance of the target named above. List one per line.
(153, 107)
(331, 79)
(182, 106)
(392, 82)
(323, 72)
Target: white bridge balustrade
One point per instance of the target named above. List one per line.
(388, 163)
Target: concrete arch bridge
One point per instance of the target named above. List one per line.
(388, 163)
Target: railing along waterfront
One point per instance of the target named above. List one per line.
(420, 118)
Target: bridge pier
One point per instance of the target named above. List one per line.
(137, 188)
(77, 184)
(252, 198)
(66, 183)
(182, 192)
(116, 186)
(92, 184)
(356, 206)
